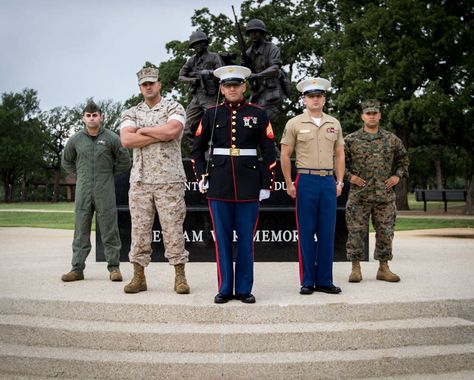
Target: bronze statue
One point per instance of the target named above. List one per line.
(197, 71)
(267, 80)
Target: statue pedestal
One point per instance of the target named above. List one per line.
(275, 238)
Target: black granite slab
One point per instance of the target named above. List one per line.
(276, 235)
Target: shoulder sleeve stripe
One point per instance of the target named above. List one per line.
(180, 118)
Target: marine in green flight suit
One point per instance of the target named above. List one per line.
(95, 155)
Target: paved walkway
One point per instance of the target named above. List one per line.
(433, 265)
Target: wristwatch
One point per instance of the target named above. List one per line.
(340, 184)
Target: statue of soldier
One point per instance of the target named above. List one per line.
(197, 71)
(263, 59)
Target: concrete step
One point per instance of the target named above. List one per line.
(194, 337)
(237, 312)
(12, 376)
(457, 375)
(103, 364)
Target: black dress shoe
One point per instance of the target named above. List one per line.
(328, 289)
(222, 298)
(245, 298)
(306, 290)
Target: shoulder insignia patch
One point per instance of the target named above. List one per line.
(270, 134)
(199, 130)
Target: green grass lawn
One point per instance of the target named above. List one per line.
(415, 205)
(58, 220)
(61, 215)
(406, 224)
(69, 206)
(50, 206)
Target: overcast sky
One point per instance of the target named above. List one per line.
(69, 50)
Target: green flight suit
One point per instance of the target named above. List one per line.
(95, 160)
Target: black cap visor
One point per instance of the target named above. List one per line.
(229, 81)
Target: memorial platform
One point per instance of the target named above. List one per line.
(419, 328)
(276, 234)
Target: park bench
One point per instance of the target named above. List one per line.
(455, 195)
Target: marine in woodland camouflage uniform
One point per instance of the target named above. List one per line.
(154, 130)
(376, 160)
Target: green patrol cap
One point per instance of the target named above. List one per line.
(91, 107)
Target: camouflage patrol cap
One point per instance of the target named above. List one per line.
(148, 74)
(370, 105)
(91, 107)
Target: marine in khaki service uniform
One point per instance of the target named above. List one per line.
(317, 140)
(154, 129)
(95, 155)
(234, 178)
(375, 161)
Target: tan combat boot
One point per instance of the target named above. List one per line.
(138, 282)
(356, 274)
(115, 275)
(72, 276)
(385, 274)
(180, 284)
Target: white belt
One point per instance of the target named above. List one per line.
(235, 152)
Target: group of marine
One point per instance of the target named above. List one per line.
(234, 157)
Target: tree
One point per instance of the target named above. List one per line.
(412, 55)
(21, 140)
(57, 126)
(294, 26)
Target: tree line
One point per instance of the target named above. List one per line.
(415, 56)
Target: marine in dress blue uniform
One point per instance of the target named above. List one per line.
(317, 140)
(235, 178)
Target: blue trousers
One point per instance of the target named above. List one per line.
(243, 217)
(315, 214)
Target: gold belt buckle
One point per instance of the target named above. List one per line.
(235, 151)
(322, 173)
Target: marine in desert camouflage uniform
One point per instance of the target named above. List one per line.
(154, 130)
(376, 160)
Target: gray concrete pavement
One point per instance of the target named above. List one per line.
(420, 328)
(433, 265)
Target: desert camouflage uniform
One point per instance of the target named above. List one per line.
(156, 183)
(374, 158)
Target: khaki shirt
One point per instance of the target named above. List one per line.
(314, 146)
(161, 162)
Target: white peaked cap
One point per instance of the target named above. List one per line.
(232, 74)
(313, 85)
